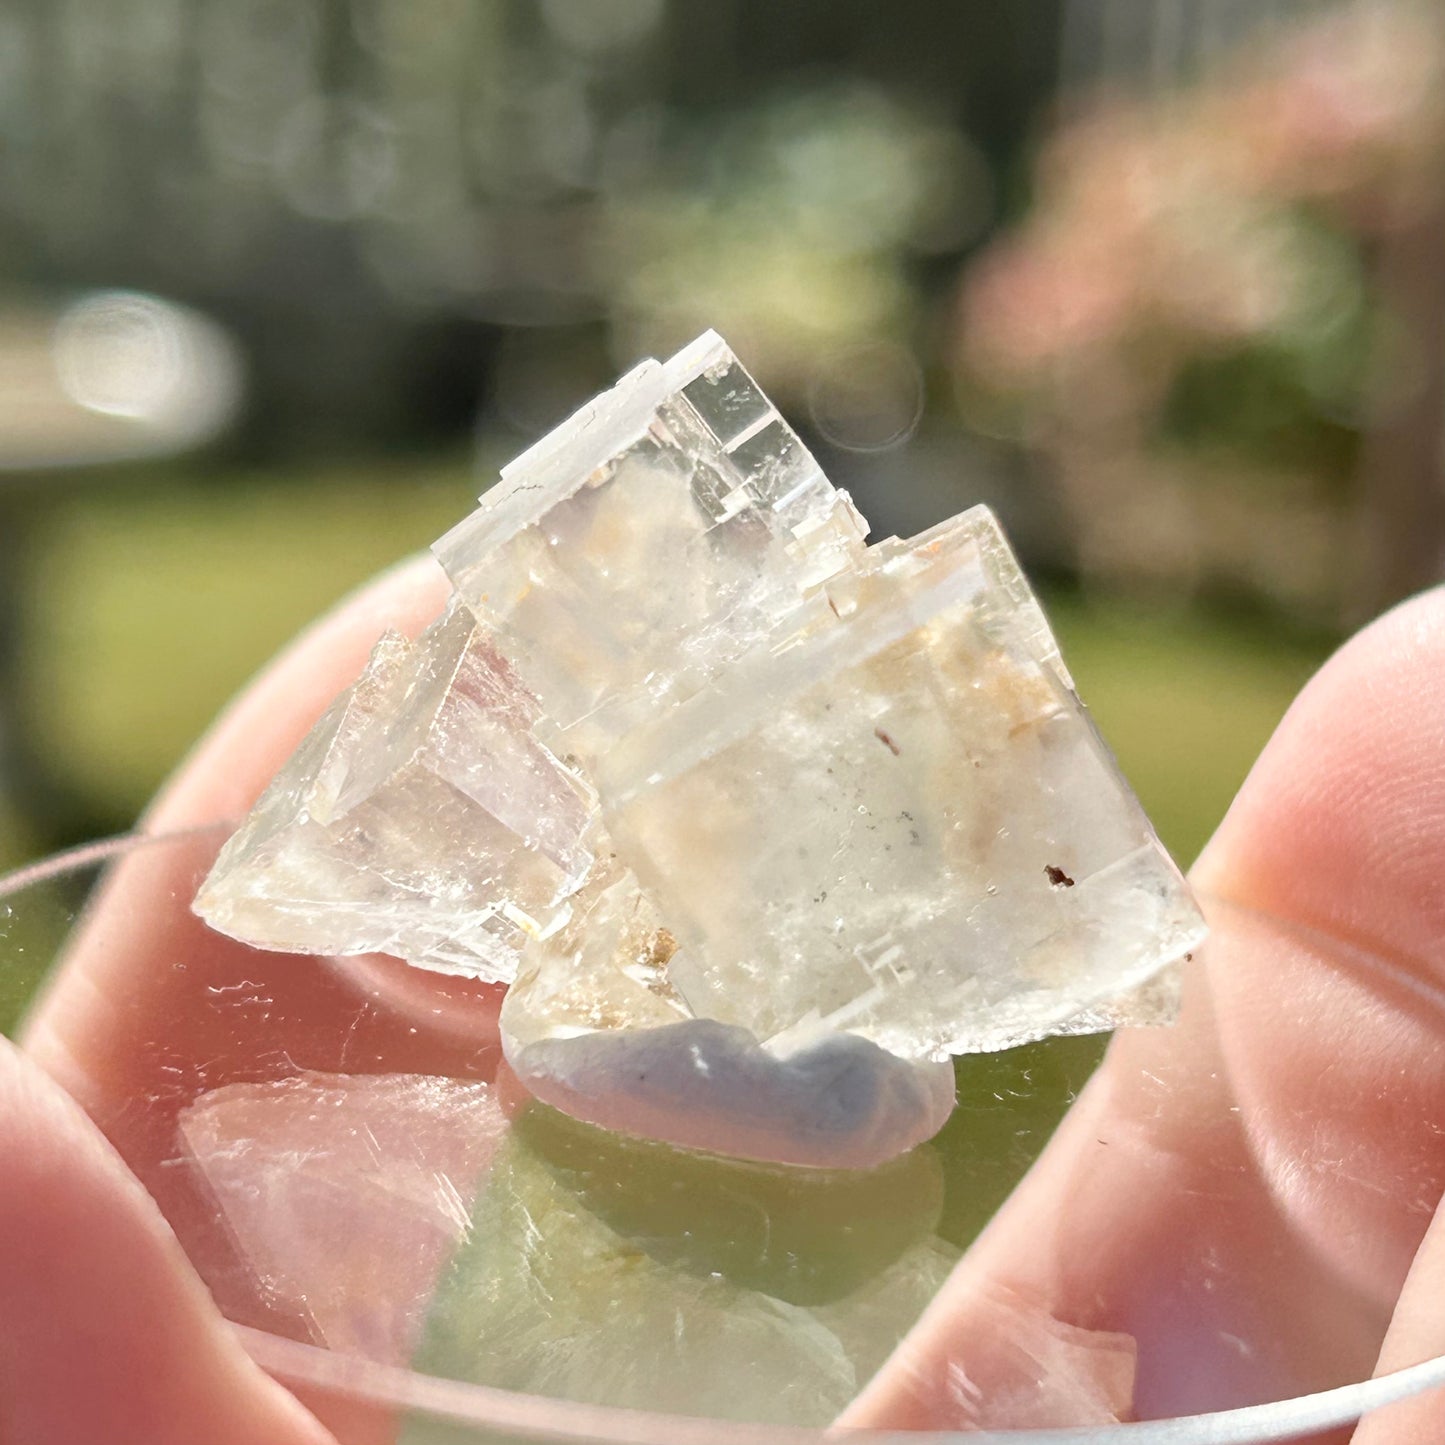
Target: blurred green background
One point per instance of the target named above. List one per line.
(283, 282)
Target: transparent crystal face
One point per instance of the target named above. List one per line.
(420, 817)
(727, 785)
(955, 864)
(627, 563)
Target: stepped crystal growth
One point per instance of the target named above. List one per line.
(761, 823)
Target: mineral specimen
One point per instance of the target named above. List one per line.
(420, 817)
(893, 819)
(634, 552)
(764, 823)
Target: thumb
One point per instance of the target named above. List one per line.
(1243, 1193)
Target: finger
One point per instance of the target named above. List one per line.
(1416, 1334)
(1243, 1192)
(1341, 827)
(1401, 861)
(150, 1009)
(105, 1332)
(1340, 836)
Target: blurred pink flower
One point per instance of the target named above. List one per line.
(1028, 303)
(1239, 215)
(1179, 215)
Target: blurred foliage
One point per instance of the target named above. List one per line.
(373, 194)
(1194, 322)
(789, 227)
(424, 221)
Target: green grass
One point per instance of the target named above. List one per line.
(33, 926)
(16, 836)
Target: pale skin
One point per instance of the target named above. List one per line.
(1252, 1193)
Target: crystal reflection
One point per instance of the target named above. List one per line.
(619, 1272)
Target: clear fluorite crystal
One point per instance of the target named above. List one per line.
(735, 793)
(895, 820)
(420, 817)
(628, 557)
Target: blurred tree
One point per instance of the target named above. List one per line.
(373, 193)
(1402, 461)
(1221, 321)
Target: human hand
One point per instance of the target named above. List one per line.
(106, 1333)
(1273, 1157)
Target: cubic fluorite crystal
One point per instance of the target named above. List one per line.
(764, 823)
(420, 817)
(630, 556)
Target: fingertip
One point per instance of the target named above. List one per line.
(1340, 826)
(105, 1331)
